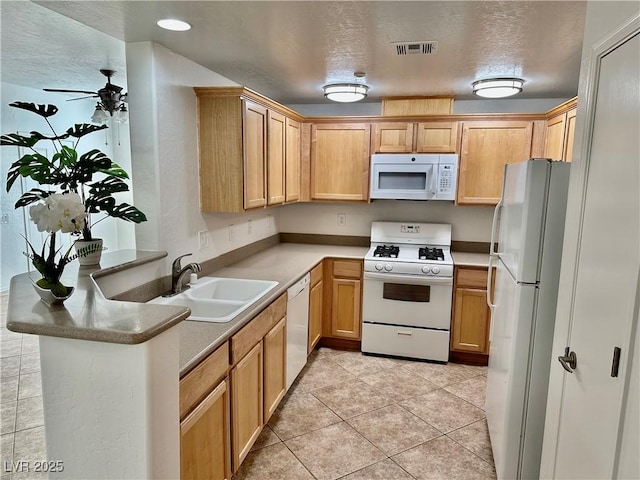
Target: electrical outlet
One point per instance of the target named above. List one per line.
(4, 218)
(342, 219)
(232, 234)
(249, 227)
(203, 239)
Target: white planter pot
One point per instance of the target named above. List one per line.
(89, 251)
(49, 298)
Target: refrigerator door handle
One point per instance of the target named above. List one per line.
(494, 225)
(492, 306)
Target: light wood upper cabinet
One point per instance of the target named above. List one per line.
(243, 150)
(560, 131)
(436, 137)
(421, 137)
(315, 308)
(487, 146)
(395, 137)
(340, 161)
(570, 129)
(292, 160)
(276, 128)
(255, 140)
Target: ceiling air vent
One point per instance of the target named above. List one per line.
(416, 48)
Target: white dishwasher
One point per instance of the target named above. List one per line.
(297, 327)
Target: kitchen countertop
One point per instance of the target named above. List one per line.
(467, 259)
(87, 314)
(284, 263)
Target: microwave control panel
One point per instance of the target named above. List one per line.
(446, 179)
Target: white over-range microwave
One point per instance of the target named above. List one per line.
(406, 176)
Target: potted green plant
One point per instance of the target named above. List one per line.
(68, 171)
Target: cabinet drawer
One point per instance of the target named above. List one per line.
(257, 328)
(347, 268)
(467, 277)
(406, 341)
(316, 274)
(201, 380)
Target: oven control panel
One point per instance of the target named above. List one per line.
(408, 268)
(410, 228)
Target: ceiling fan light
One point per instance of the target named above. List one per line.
(173, 24)
(99, 116)
(121, 115)
(497, 87)
(345, 92)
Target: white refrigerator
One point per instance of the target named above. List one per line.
(528, 226)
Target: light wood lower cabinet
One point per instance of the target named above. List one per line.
(247, 403)
(258, 376)
(471, 320)
(344, 317)
(204, 438)
(315, 308)
(275, 361)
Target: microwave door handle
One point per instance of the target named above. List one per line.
(434, 180)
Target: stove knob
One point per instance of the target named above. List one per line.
(378, 266)
(388, 267)
(425, 270)
(435, 270)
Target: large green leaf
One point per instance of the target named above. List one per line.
(34, 166)
(107, 204)
(42, 110)
(107, 186)
(33, 195)
(40, 136)
(116, 171)
(79, 130)
(89, 163)
(15, 140)
(67, 156)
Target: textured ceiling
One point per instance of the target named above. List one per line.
(289, 50)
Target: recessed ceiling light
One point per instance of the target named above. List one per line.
(174, 25)
(497, 87)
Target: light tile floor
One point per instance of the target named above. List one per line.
(21, 403)
(348, 416)
(357, 417)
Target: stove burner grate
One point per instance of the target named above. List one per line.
(387, 251)
(427, 253)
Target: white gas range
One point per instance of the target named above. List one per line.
(408, 286)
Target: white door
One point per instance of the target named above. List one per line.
(586, 409)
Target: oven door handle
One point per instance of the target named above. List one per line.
(408, 279)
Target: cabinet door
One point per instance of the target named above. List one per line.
(437, 137)
(254, 143)
(470, 329)
(394, 137)
(340, 161)
(487, 146)
(292, 161)
(205, 450)
(315, 316)
(247, 405)
(570, 130)
(345, 308)
(276, 148)
(275, 361)
(554, 144)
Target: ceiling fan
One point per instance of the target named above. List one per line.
(111, 98)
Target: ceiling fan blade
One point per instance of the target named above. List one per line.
(81, 98)
(68, 91)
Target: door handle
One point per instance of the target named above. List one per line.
(569, 361)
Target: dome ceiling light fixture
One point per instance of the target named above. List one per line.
(173, 24)
(345, 92)
(497, 87)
